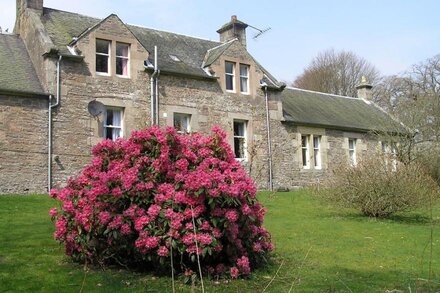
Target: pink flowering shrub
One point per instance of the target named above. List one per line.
(159, 194)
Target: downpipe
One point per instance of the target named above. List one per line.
(49, 143)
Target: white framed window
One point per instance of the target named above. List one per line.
(240, 139)
(352, 151)
(103, 56)
(244, 79)
(390, 152)
(305, 151)
(317, 151)
(122, 59)
(113, 123)
(182, 122)
(230, 76)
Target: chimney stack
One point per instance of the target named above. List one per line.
(233, 29)
(364, 89)
(21, 6)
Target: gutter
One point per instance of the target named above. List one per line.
(49, 143)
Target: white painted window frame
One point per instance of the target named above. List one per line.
(108, 55)
(183, 116)
(305, 150)
(120, 127)
(244, 137)
(317, 158)
(352, 154)
(244, 77)
(232, 75)
(123, 57)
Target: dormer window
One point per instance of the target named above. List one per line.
(230, 76)
(102, 56)
(122, 59)
(244, 79)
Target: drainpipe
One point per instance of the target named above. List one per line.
(269, 144)
(154, 91)
(51, 106)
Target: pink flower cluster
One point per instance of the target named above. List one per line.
(160, 193)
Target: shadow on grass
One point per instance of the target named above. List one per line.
(400, 218)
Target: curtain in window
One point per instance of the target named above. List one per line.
(125, 61)
(117, 118)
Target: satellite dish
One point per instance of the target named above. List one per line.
(96, 108)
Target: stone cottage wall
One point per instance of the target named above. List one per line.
(23, 144)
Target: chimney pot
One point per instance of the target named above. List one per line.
(233, 17)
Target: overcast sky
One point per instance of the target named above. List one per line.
(390, 34)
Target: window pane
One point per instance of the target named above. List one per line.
(304, 141)
(117, 117)
(304, 157)
(238, 128)
(102, 46)
(351, 144)
(182, 122)
(229, 82)
(109, 120)
(316, 141)
(122, 66)
(122, 50)
(101, 63)
(239, 147)
(108, 133)
(244, 70)
(244, 84)
(229, 67)
(240, 139)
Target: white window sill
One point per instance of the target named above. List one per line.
(230, 91)
(241, 159)
(123, 76)
(102, 73)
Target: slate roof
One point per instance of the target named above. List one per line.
(191, 52)
(17, 74)
(63, 26)
(310, 108)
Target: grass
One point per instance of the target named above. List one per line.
(318, 249)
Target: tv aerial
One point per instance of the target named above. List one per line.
(260, 31)
(96, 108)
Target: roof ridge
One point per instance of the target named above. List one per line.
(65, 11)
(321, 93)
(169, 32)
(98, 19)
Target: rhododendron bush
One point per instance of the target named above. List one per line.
(159, 194)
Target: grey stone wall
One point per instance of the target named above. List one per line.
(23, 144)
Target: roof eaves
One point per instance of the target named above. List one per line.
(23, 93)
(179, 73)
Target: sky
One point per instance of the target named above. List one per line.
(390, 34)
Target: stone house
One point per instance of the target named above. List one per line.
(67, 81)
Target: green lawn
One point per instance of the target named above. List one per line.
(317, 249)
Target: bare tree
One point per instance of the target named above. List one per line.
(336, 73)
(414, 98)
